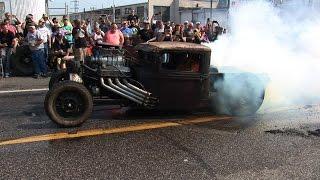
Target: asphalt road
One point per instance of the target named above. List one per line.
(281, 143)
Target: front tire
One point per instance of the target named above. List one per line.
(68, 104)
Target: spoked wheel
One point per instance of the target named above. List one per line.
(69, 104)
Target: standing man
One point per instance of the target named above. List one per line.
(36, 46)
(146, 33)
(133, 17)
(127, 33)
(114, 36)
(104, 26)
(46, 37)
(7, 43)
(28, 22)
(67, 27)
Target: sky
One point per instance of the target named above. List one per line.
(97, 4)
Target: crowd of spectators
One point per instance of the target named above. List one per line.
(67, 40)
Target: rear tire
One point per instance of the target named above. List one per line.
(22, 62)
(239, 95)
(68, 104)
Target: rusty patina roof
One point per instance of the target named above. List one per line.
(172, 46)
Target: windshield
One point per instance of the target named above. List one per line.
(181, 61)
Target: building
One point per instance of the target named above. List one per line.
(21, 8)
(166, 10)
(311, 3)
(121, 12)
(188, 10)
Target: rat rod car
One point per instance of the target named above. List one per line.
(160, 75)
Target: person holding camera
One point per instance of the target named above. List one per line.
(47, 22)
(7, 43)
(28, 22)
(12, 19)
(80, 36)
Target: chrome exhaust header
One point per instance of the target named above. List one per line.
(120, 93)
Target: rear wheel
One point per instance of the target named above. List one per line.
(239, 95)
(22, 62)
(68, 104)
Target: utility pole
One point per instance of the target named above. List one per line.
(114, 11)
(66, 9)
(211, 8)
(10, 7)
(75, 5)
(47, 7)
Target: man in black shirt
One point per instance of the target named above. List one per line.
(104, 26)
(146, 33)
(7, 43)
(133, 17)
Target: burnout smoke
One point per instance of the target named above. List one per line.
(282, 42)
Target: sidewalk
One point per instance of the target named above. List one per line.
(22, 83)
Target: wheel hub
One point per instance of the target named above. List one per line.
(70, 105)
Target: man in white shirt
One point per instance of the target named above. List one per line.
(36, 46)
(46, 36)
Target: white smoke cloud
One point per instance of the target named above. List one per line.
(282, 42)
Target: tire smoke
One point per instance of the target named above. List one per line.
(282, 42)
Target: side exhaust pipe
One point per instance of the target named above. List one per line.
(130, 93)
(120, 93)
(124, 91)
(129, 89)
(135, 88)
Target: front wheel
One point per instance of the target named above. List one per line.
(68, 104)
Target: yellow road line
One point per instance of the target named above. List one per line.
(97, 132)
